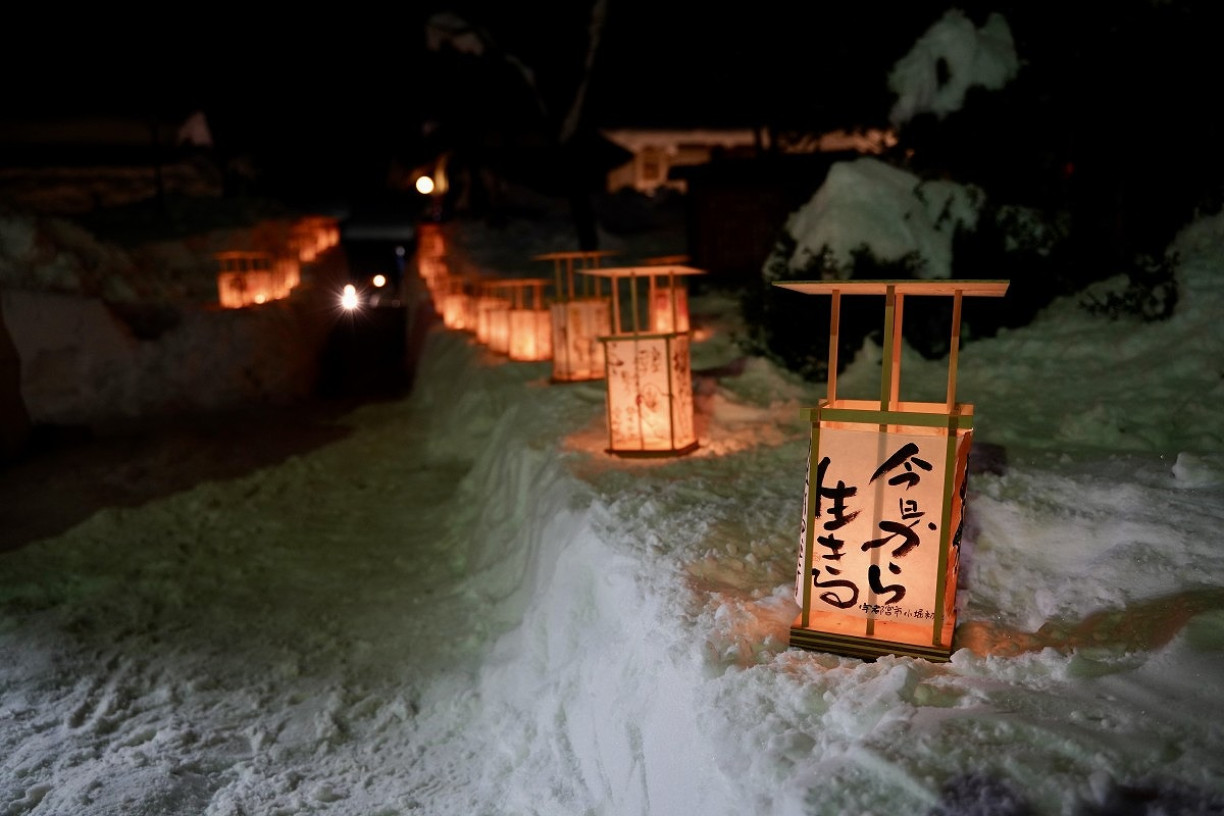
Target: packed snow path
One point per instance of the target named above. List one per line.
(462, 605)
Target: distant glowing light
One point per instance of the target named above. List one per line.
(424, 185)
(380, 281)
(348, 300)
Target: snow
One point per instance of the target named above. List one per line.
(869, 203)
(460, 604)
(967, 56)
(464, 605)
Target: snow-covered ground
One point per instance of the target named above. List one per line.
(463, 605)
(456, 603)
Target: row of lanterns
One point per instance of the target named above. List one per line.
(627, 325)
(884, 491)
(249, 277)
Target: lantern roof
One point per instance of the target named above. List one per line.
(510, 283)
(242, 253)
(641, 271)
(937, 286)
(660, 260)
(587, 253)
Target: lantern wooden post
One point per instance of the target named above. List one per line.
(580, 313)
(648, 373)
(883, 498)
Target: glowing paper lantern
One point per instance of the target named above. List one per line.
(669, 309)
(457, 304)
(579, 316)
(883, 499)
(312, 235)
(649, 377)
(493, 318)
(251, 278)
(432, 265)
(530, 326)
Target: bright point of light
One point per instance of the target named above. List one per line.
(260, 298)
(380, 281)
(349, 299)
(424, 185)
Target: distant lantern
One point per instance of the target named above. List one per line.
(649, 378)
(432, 264)
(883, 498)
(669, 309)
(456, 303)
(579, 316)
(250, 278)
(312, 235)
(493, 317)
(530, 326)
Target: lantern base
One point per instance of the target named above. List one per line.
(555, 380)
(864, 648)
(653, 454)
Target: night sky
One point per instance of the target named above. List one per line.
(347, 89)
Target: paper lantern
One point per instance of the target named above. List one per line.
(493, 317)
(432, 263)
(580, 314)
(486, 303)
(530, 329)
(456, 303)
(669, 309)
(883, 498)
(250, 278)
(648, 373)
(313, 235)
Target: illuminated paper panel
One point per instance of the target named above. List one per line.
(666, 302)
(485, 306)
(238, 289)
(650, 401)
(455, 310)
(576, 328)
(881, 559)
(530, 334)
(288, 275)
(499, 328)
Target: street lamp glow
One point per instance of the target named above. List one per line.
(379, 281)
(424, 185)
(348, 299)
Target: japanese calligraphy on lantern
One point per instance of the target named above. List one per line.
(649, 392)
(875, 504)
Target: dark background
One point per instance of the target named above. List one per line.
(330, 99)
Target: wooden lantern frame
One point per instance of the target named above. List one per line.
(872, 629)
(648, 374)
(580, 315)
